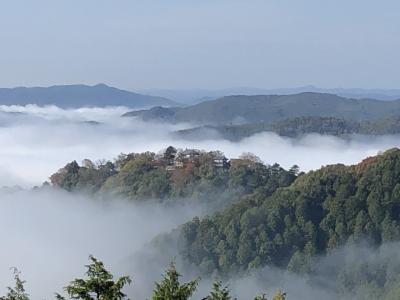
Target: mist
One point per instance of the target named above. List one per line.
(369, 266)
(37, 141)
(48, 235)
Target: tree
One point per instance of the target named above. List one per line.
(87, 163)
(295, 170)
(261, 297)
(250, 157)
(67, 177)
(17, 292)
(218, 292)
(279, 295)
(171, 289)
(169, 154)
(98, 286)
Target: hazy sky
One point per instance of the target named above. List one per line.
(201, 44)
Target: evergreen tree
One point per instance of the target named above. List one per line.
(219, 293)
(171, 289)
(17, 292)
(98, 286)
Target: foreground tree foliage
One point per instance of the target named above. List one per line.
(171, 289)
(99, 284)
(219, 292)
(17, 292)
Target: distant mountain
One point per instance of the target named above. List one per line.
(252, 109)
(194, 96)
(72, 96)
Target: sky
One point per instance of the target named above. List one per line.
(179, 44)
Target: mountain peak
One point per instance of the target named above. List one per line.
(101, 85)
(79, 95)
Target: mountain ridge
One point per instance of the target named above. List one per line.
(242, 109)
(295, 127)
(78, 95)
(193, 96)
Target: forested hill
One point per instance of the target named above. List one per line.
(173, 174)
(322, 210)
(295, 127)
(73, 96)
(253, 109)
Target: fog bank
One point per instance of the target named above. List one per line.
(49, 234)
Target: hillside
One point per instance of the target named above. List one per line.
(73, 96)
(295, 127)
(254, 109)
(320, 211)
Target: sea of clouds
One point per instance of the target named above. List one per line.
(37, 141)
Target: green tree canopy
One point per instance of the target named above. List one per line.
(171, 289)
(98, 286)
(17, 292)
(219, 292)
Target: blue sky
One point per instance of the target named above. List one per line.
(200, 44)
